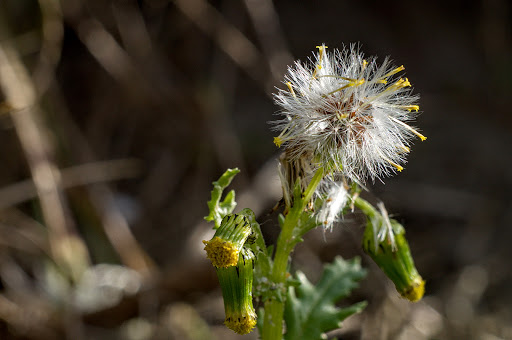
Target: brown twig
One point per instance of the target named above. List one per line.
(112, 220)
(233, 42)
(33, 320)
(266, 22)
(74, 176)
(50, 51)
(67, 249)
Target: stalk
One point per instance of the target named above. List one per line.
(274, 308)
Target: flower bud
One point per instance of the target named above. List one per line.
(224, 248)
(394, 258)
(236, 285)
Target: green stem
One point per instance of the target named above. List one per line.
(274, 308)
(366, 207)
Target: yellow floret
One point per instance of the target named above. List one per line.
(396, 70)
(242, 324)
(415, 292)
(278, 141)
(412, 108)
(222, 253)
(289, 84)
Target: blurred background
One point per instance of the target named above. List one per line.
(116, 116)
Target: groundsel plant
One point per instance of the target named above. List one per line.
(343, 120)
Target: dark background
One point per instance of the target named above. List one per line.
(140, 105)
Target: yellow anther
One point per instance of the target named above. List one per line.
(412, 108)
(396, 70)
(350, 84)
(405, 148)
(397, 166)
(341, 116)
(317, 68)
(399, 83)
(321, 50)
(365, 63)
(351, 81)
(293, 92)
(408, 128)
(278, 141)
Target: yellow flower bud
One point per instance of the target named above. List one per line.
(394, 258)
(236, 285)
(224, 248)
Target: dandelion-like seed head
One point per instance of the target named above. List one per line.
(349, 113)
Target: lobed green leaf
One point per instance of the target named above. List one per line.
(217, 208)
(310, 310)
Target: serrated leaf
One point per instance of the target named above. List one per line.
(310, 310)
(217, 208)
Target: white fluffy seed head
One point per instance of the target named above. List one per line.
(336, 198)
(348, 113)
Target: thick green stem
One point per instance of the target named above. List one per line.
(274, 308)
(273, 322)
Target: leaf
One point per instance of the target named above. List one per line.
(310, 310)
(217, 208)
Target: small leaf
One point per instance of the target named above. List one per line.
(281, 219)
(310, 310)
(259, 243)
(217, 208)
(262, 287)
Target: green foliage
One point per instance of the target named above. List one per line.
(217, 208)
(263, 288)
(259, 242)
(310, 310)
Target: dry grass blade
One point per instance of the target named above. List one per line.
(68, 250)
(74, 176)
(266, 22)
(233, 42)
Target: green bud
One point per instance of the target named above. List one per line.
(236, 285)
(224, 248)
(394, 258)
